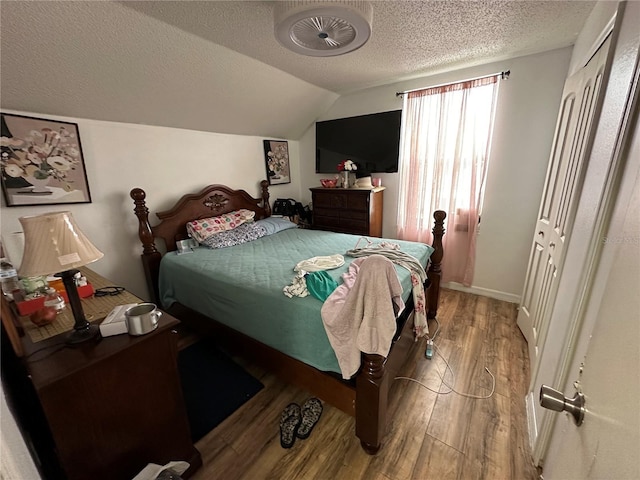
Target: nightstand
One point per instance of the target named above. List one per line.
(103, 409)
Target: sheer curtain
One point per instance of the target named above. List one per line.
(446, 138)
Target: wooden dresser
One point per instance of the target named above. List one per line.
(348, 210)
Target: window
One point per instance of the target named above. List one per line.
(444, 153)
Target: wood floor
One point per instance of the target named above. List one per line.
(429, 436)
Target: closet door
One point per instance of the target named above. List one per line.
(580, 106)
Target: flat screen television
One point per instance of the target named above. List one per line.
(372, 141)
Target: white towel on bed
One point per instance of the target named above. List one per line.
(360, 316)
(317, 264)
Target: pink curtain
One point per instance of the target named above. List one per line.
(446, 138)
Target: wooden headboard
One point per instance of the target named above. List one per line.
(209, 202)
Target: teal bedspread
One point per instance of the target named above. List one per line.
(241, 286)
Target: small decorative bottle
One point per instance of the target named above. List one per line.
(9, 278)
(54, 299)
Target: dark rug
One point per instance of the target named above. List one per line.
(213, 385)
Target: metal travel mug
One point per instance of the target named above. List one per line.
(142, 318)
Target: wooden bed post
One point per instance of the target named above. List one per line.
(435, 267)
(150, 255)
(371, 402)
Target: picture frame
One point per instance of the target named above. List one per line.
(41, 162)
(276, 156)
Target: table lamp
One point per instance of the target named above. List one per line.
(55, 245)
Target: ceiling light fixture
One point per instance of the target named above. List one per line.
(323, 29)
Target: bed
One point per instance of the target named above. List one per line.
(306, 358)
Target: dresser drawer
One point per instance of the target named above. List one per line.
(358, 202)
(326, 223)
(356, 227)
(330, 200)
(354, 215)
(326, 212)
(351, 210)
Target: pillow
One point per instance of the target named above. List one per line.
(202, 229)
(276, 224)
(242, 234)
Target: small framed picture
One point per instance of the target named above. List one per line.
(276, 155)
(41, 162)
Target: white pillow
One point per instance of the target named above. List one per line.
(276, 224)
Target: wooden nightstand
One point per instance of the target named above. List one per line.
(348, 210)
(103, 409)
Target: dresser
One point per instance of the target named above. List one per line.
(348, 210)
(105, 408)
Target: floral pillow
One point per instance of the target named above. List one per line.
(202, 229)
(243, 234)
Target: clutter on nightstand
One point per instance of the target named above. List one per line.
(28, 305)
(9, 278)
(54, 300)
(114, 323)
(30, 285)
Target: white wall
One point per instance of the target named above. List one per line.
(525, 121)
(166, 163)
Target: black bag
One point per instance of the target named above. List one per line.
(285, 207)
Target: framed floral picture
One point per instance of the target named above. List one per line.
(41, 162)
(276, 154)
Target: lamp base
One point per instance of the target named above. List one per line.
(82, 335)
(82, 330)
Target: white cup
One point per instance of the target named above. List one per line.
(142, 318)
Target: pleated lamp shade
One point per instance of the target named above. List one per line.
(53, 243)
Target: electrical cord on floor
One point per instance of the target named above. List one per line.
(444, 382)
(437, 392)
(463, 394)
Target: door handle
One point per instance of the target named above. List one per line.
(554, 400)
(552, 245)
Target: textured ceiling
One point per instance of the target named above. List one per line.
(409, 38)
(217, 67)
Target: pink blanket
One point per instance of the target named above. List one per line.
(360, 315)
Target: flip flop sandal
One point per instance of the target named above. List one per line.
(289, 421)
(311, 411)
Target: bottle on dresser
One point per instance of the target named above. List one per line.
(54, 299)
(9, 278)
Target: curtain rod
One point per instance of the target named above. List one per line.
(503, 76)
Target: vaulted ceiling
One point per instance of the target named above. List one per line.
(216, 66)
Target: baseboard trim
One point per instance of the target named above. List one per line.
(531, 420)
(485, 292)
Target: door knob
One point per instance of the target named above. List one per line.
(556, 401)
